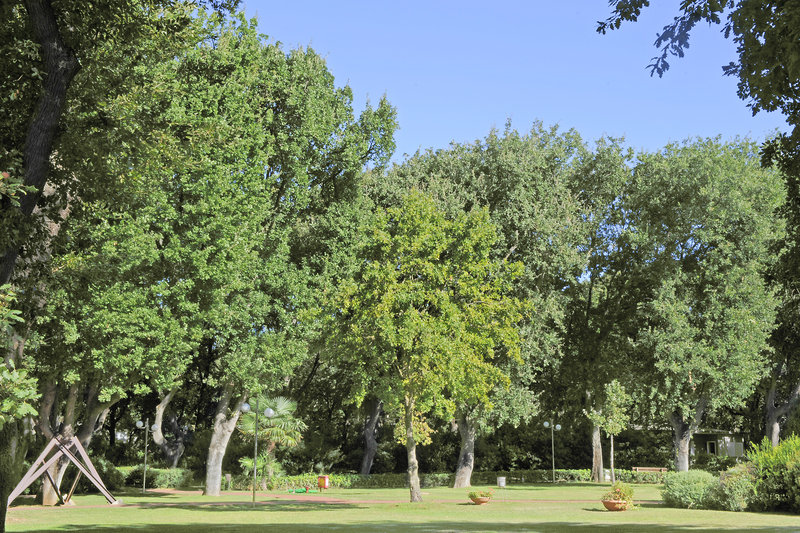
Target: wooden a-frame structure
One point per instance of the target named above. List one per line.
(55, 450)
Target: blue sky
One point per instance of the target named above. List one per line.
(454, 70)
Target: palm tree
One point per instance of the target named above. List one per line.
(280, 429)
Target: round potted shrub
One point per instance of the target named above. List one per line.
(619, 498)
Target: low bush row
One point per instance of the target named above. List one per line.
(157, 478)
(629, 476)
(733, 490)
(176, 478)
(769, 481)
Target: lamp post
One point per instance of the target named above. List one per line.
(553, 428)
(147, 429)
(269, 413)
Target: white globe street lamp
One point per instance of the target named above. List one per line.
(269, 413)
(553, 428)
(147, 430)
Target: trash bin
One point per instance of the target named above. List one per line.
(501, 482)
(323, 483)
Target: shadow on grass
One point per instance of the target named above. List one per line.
(123, 495)
(269, 506)
(394, 526)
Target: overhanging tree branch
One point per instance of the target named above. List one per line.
(60, 66)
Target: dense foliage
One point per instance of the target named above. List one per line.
(220, 226)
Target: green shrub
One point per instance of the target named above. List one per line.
(391, 480)
(163, 478)
(133, 477)
(793, 486)
(687, 489)
(112, 478)
(629, 476)
(437, 480)
(714, 463)
(173, 478)
(777, 474)
(733, 491)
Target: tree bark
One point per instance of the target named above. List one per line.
(467, 428)
(50, 494)
(13, 448)
(411, 453)
(682, 434)
(60, 66)
(4, 493)
(773, 426)
(93, 413)
(172, 450)
(371, 435)
(598, 476)
(680, 441)
(611, 459)
(775, 411)
(224, 424)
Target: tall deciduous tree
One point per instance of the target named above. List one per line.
(527, 183)
(783, 383)
(600, 299)
(769, 79)
(17, 396)
(427, 315)
(702, 250)
(93, 106)
(46, 44)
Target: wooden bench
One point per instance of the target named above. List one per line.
(649, 469)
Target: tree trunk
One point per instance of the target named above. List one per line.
(466, 457)
(4, 492)
(611, 459)
(13, 448)
(598, 476)
(683, 431)
(411, 452)
(772, 424)
(680, 441)
(93, 413)
(223, 429)
(172, 450)
(371, 435)
(775, 411)
(60, 66)
(51, 495)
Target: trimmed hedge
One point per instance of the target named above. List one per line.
(112, 477)
(157, 478)
(392, 481)
(629, 476)
(176, 478)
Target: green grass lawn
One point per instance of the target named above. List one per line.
(519, 508)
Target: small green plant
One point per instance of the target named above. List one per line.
(481, 494)
(620, 492)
